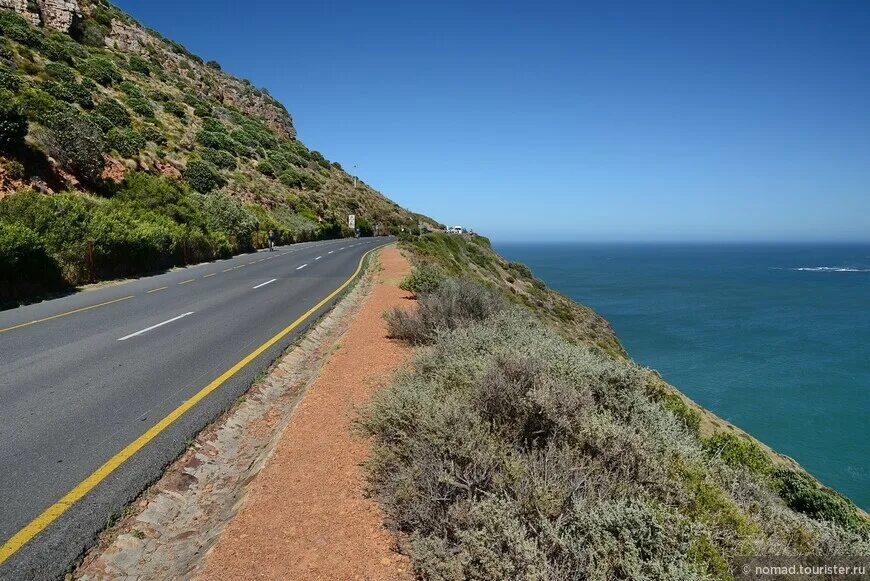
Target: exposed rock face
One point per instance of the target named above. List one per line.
(127, 38)
(220, 86)
(63, 15)
(20, 6)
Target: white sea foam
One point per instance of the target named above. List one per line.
(831, 269)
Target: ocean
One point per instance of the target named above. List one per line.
(773, 338)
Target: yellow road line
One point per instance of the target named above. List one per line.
(154, 290)
(208, 275)
(49, 515)
(59, 315)
(186, 281)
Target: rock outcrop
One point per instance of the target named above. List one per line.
(20, 6)
(132, 38)
(63, 15)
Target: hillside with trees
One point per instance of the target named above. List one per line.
(123, 153)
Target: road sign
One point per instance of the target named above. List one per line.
(351, 221)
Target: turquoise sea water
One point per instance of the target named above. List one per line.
(773, 338)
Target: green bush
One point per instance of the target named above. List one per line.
(59, 47)
(735, 450)
(102, 122)
(801, 493)
(61, 72)
(15, 170)
(16, 27)
(60, 221)
(69, 92)
(77, 144)
(94, 34)
(141, 105)
(154, 135)
(293, 178)
(453, 303)
(131, 89)
(225, 214)
(423, 279)
(214, 125)
(114, 111)
(40, 106)
(216, 140)
(80, 94)
(266, 168)
(139, 65)
(25, 266)
(101, 70)
(13, 123)
(213, 65)
(203, 176)
(175, 109)
(9, 80)
(127, 142)
(505, 452)
(220, 159)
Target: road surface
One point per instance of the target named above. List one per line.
(101, 389)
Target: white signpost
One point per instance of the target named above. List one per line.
(351, 221)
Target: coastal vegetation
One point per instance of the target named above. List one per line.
(514, 447)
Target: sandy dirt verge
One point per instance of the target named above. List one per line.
(306, 516)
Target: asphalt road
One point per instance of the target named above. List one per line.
(85, 376)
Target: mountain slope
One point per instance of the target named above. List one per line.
(168, 159)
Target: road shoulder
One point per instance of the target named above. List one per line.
(274, 489)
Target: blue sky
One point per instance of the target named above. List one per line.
(572, 121)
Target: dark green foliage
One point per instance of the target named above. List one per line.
(69, 92)
(154, 135)
(61, 72)
(293, 178)
(141, 105)
(60, 47)
(176, 109)
(213, 65)
(691, 418)
(735, 450)
(267, 168)
(221, 159)
(215, 126)
(201, 108)
(14, 26)
(801, 493)
(15, 170)
(13, 123)
(203, 176)
(139, 65)
(131, 89)
(125, 141)
(40, 106)
(102, 122)
(217, 140)
(94, 34)
(77, 144)
(9, 80)
(423, 279)
(114, 111)
(101, 70)
(25, 266)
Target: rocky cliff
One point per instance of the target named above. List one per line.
(62, 15)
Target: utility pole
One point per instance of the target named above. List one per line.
(354, 176)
